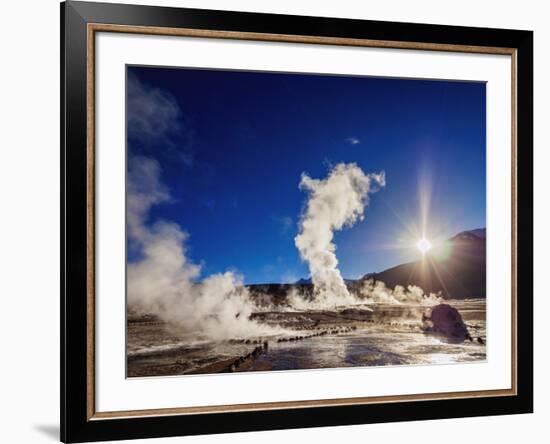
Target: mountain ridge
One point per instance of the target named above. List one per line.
(455, 269)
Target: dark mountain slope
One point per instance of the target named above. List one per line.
(456, 269)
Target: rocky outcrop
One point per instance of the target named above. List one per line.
(446, 321)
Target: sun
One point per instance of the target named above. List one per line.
(424, 245)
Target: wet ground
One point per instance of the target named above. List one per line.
(343, 337)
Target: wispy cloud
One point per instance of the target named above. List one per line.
(155, 120)
(284, 223)
(152, 112)
(353, 140)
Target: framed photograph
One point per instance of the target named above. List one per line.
(275, 221)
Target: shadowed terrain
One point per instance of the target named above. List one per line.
(456, 269)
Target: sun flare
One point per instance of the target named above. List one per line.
(424, 245)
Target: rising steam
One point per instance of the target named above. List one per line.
(334, 203)
(376, 292)
(165, 283)
(365, 293)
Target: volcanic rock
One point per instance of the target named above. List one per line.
(445, 320)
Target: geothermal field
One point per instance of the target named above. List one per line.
(371, 334)
(430, 311)
(348, 232)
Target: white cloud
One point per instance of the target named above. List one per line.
(353, 140)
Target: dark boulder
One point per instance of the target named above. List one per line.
(446, 321)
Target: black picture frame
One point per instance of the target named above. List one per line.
(76, 424)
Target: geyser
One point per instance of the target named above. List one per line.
(333, 203)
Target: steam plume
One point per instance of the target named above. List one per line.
(372, 291)
(165, 283)
(334, 203)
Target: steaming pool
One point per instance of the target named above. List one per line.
(344, 337)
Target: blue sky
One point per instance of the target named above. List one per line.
(232, 146)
